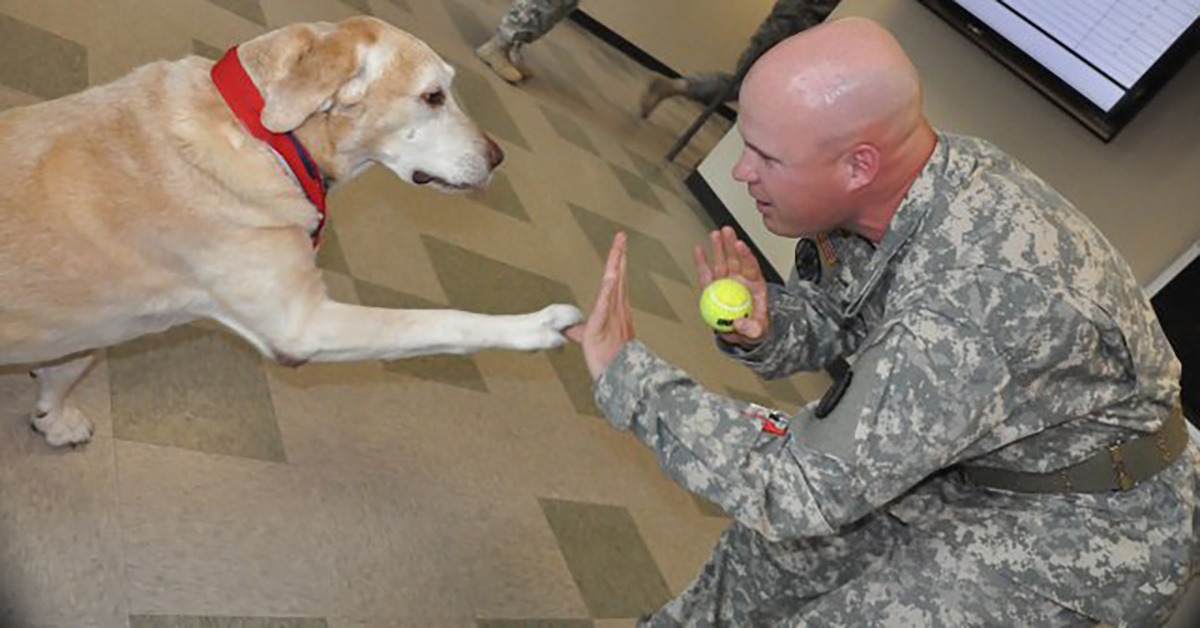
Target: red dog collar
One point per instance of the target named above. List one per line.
(246, 102)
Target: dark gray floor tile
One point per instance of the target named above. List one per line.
(650, 171)
(569, 129)
(646, 255)
(454, 370)
(331, 255)
(480, 99)
(501, 197)
(206, 50)
(38, 62)
(570, 66)
(477, 283)
(248, 9)
(607, 557)
(637, 188)
(480, 284)
(403, 4)
(197, 389)
(577, 381)
(567, 77)
(469, 25)
(362, 6)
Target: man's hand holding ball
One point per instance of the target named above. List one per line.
(732, 259)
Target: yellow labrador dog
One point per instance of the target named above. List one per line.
(147, 203)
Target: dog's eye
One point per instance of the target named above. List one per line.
(435, 98)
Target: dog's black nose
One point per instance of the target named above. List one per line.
(495, 154)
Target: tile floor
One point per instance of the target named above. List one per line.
(222, 490)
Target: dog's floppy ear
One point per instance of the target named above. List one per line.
(302, 68)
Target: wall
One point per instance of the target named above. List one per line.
(1142, 190)
(704, 35)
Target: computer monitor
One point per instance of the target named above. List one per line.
(1100, 60)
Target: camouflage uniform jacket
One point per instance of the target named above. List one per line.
(993, 325)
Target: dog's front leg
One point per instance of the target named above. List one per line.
(340, 332)
(277, 300)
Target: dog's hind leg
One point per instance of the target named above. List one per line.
(57, 420)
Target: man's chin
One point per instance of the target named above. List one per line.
(783, 231)
(772, 225)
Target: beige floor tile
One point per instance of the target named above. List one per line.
(60, 541)
(483, 554)
(214, 535)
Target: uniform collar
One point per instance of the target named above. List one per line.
(909, 216)
(246, 102)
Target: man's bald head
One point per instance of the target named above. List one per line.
(836, 114)
(840, 80)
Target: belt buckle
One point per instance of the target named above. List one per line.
(1164, 450)
(1116, 454)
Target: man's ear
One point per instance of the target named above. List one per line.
(302, 69)
(862, 166)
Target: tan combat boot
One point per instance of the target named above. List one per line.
(658, 90)
(495, 53)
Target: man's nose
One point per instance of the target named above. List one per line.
(742, 171)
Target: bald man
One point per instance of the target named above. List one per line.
(1009, 449)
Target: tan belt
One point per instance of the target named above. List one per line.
(1120, 467)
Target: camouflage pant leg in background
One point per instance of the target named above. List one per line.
(527, 20)
(750, 581)
(787, 18)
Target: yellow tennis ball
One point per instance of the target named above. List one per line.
(723, 302)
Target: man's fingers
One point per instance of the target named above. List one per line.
(623, 288)
(704, 273)
(751, 271)
(611, 276)
(729, 241)
(718, 252)
(748, 328)
(575, 333)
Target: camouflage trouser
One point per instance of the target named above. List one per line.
(787, 18)
(527, 20)
(878, 572)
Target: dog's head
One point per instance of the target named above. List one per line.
(362, 90)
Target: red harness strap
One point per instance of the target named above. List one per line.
(246, 103)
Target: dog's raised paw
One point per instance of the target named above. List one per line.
(559, 316)
(66, 426)
(542, 329)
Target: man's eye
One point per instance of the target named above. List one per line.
(435, 98)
